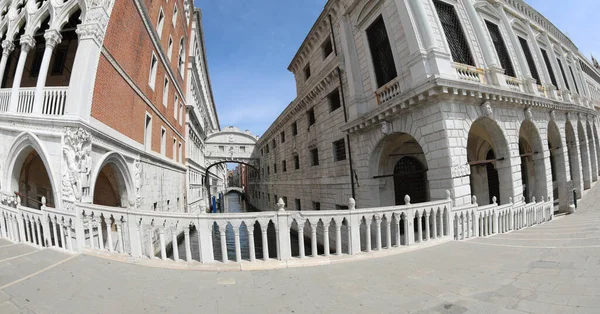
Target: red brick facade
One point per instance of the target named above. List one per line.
(116, 103)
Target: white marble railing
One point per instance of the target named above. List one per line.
(25, 102)
(468, 73)
(55, 99)
(281, 234)
(388, 91)
(480, 221)
(513, 83)
(4, 99)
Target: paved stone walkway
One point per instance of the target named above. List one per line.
(551, 268)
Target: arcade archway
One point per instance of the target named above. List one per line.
(533, 168)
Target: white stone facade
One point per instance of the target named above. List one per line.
(472, 128)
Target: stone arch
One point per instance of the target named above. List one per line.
(574, 158)
(593, 150)
(489, 155)
(585, 155)
(122, 178)
(533, 166)
(390, 162)
(557, 166)
(22, 147)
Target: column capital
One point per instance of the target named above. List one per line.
(53, 38)
(7, 47)
(27, 42)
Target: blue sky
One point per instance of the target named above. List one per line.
(250, 44)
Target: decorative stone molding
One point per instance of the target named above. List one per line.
(386, 128)
(529, 114)
(7, 47)
(77, 164)
(460, 171)
(27, 42)
(94, 26)
(486, 109)
(53, 38)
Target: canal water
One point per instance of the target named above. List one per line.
(235, 203)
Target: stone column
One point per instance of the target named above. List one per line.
(27, 42)
(7, 48)
(53, 38)
(186, 241)
(85, 65)
(174, 244)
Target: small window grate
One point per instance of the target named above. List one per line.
(339, 150)
(294, 128)
(562, 71)
(314, 156)
(549, 67)
(529, 58)
(381, 52)
(311, 116)
(296, 162)
(334, 100)
(501, 50)
(459, 47)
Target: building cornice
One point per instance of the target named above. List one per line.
(437, 88)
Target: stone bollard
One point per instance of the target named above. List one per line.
(406, 199)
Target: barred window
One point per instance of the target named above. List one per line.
(501, 50)
(529, 58)
(307, 72)
(294, 128)
(274, 144)
(316, 206)
(267, 149)
(459, 47)
(549, 67)
(298, 207)
(283, 137)
(381, 52)
(275, 167)
(334, 100)
(296, 162)
(562, 71)
(284, 166)
(574, 80)
(339, 150)
(314, 156)
(311, 116)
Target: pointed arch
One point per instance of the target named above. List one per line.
(123, 177)
(22, 146)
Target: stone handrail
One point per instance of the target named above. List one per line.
(388, 91)
(4, 99)
(281, 234)
(469, 73)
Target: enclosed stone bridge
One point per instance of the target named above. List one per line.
(231, 145)
(235, 189)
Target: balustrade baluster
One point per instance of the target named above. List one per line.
(427, 234)
(368, 231)
(238, 249)
(98, 222)
(406, 231)
(30, 229)
(338, 238)
(186, 241)
(120, 243)
(378, 232)
(174, 245)
(62, 235)
(54, 231)
(388, 232)
(434, 227)
(326, 239)
(109, 240)
(265, 241)
(300, 240)
(91, 231)
(161, 239)
(69, 244)
(397, 220)
(39, 233)
(419, 228)
(223, 238)
(252, 249)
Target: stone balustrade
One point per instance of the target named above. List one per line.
(469, 73)
(473, 220)
(388, 91)
(282, 235)
(53, 102)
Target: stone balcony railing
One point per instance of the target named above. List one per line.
(469, 73)
(388, 91)
(336, 234)
(53, 101)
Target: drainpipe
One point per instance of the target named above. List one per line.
(343, 99)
